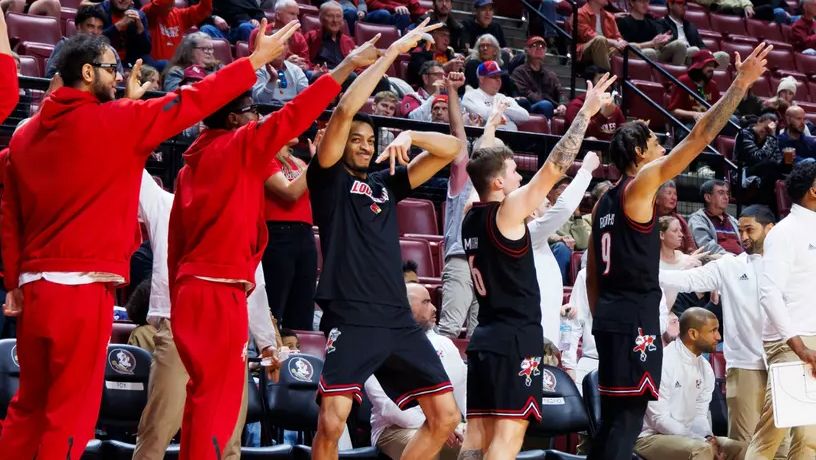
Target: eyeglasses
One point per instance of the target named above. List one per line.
(250, 108)
(206, 49)
(538, 45)
(110, 68)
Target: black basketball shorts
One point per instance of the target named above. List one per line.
(403, 360)
(629, 365)
(505, 385)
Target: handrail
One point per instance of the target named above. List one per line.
(565, 34)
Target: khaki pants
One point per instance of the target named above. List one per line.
(394, 439)
(597, 51)
(458, 299)
(768, 437)
(670, 447)
(167, 391)
(745, 395)
(680, 53)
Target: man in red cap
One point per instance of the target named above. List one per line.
(168, 24)
(537, 83)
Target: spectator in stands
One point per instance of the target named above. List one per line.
(409, 271)
(137, 306)
(279, 81)
(758, 148)
(126, 28)
(151, 75)
(393, 428)
(785, 92)
(598, 34)
(329, 45)
(480, 100)
(603, 125)
(678, 423)
(577, 227)
(242, 16)
(440, 52)
(89, 20)
(196, 49)
(795, 136)
(684, 37)
(168, 24)
(385, 105)
(441, 12)
(751, 105)
(439, 108)
(397, 13)
(671, 242)
(353, 10)
(699, 79)
(714, 230)
(430, 73)
(486, 49)
(803, 32)
(537, 83)
(482, 23)
(287, 11)
(771, 10)
(666, 205)
(643, 31)
(37, 7)
(733, 7)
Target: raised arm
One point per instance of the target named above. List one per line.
(357, 94)
(701, 279)
(520, 203)
(439, 150)
(458, 173)
(640, 194)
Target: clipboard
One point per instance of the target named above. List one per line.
(793, 393)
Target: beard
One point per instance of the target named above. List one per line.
(358, 169)
(102, 92)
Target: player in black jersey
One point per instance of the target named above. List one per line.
(504, 356)
(623, 262)
(361, 291)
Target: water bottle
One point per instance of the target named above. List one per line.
(565, 340)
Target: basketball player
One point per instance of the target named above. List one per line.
(504, 355)
(67, 237)
(216, 240)
(622, 269)
(361, 289)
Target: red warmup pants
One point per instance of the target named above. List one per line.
(209, 322)
(62, 338)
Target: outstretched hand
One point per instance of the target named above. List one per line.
(397, 151)
(594, 100)
(135, 89)
(409, 41)
(314, 145)
(270, 47)
(753, 66)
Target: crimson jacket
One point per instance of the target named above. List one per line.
(803, 34)
(72, 182)
(217, 225)
(10, 86)
(167, 28)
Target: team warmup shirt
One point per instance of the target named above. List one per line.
(504, 278)
(361, 281)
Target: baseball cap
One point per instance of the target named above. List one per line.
(481, 3)
(489, 69)
(535, 39)
(440, 98)
(193, 73)
(701, 59)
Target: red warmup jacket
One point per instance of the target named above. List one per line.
(217, 225)
(167, 28)
(71, 190)
(10, 92)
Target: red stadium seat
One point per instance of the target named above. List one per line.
(365, 31)
(764, 29)
(121, 332)
(222, 50)
(723, 78)
(699, 18)
(309, 22)
(558, 126)
(658, 11)
(780, 59)
(39, 51)
(638, 68)
(312, 343)
(640, 108)
(805, 63)
(37, 29)
(70, 4)
(29, 66)
(242, 50)
(70, 28)
(319, 253)
(419, 252)
(675, 70)
(308, 8)
(575, 266)
(437, 245)
(744, 49)
(783, 201)
(526, 162)
(536, 124)
(725, 145)
(713, 44)
(417, 216)
(727, 24)
(762, 88)
(717, 359)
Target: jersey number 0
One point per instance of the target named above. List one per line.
(478, 282)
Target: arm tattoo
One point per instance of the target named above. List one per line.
(718, 115)
(565, 151)
(470, 455)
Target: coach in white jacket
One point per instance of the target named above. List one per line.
(736, 278)
(161, 418)
(786, 296)
(676, 426)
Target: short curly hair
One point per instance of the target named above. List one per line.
(801, 179)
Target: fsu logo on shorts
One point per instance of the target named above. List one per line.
(122, 361)
(548, 380)
(529, 369)
(301, 369)
(14, 356)
(333, 335)
(644, 343)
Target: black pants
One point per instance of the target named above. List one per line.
(621, 423)
(290, 270)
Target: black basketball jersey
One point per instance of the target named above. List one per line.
(504, 280)
(627, 261)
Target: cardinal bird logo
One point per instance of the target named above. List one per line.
(644, 343)
(333, 335)
(529, 369)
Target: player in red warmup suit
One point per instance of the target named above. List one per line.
(10, 93)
